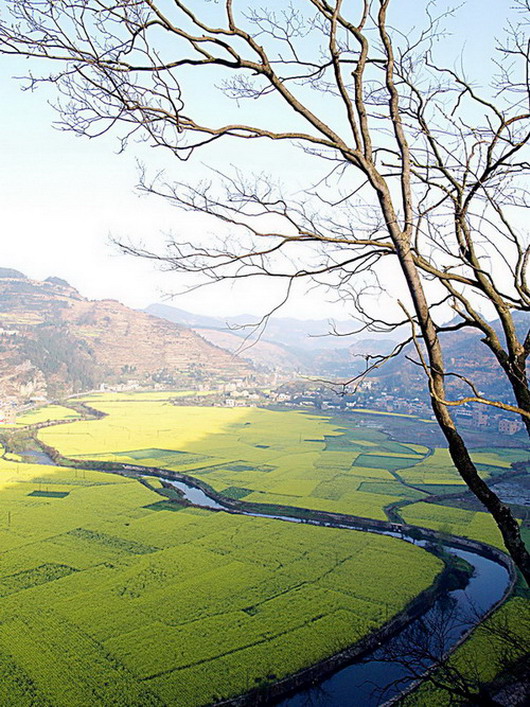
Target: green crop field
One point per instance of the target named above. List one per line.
(113, 594)
(457, 521)
(286, 458)
(504, 638)
(437, 470)
(143, 396)
(45, 414)
(109, 599)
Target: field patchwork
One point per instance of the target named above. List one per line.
(283, 458)
(108, 600)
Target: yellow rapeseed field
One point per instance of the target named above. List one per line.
(108, 597)
(287, 458)
(283, 458)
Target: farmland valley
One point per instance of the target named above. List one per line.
(115, 590)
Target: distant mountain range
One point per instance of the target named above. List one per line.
(54, 341)
(306, 345)
(466, 357)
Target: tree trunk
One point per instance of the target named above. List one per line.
(519, 384)
(501, 513)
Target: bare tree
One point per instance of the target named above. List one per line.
(416, 165)
(423, 652)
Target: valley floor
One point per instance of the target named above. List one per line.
(112, 595)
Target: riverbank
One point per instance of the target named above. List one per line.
(410, 533)
(197, 493)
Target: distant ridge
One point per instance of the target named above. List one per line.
(180, 316)
(304, 345)
(294, 334)
(54, 341)
(9, 273)
(263, 353)
(59, 281)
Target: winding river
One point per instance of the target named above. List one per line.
(372, 679)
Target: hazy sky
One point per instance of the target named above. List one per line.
(62, 196)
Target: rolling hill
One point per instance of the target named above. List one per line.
(54, 341)
(304, 345)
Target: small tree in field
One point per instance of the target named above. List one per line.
(409, 162)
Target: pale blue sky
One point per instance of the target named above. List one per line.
(61, 196)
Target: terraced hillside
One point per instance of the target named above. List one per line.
(54, 341)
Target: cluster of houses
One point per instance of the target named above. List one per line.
(246, 393)
(490, 419)
(7, 413)
(366, 397)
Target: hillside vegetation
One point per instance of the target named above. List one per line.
(53, 341)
